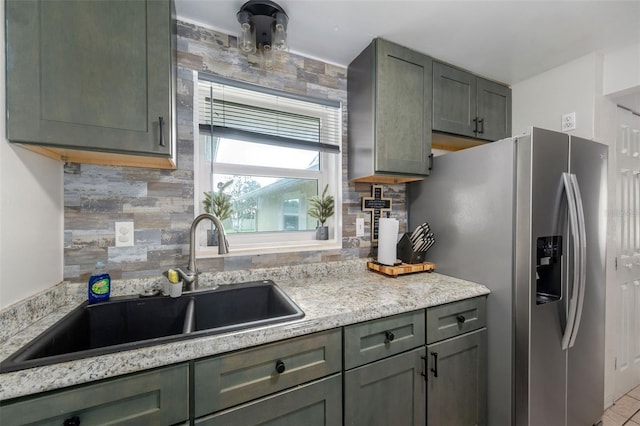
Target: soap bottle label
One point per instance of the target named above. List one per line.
(100, 286)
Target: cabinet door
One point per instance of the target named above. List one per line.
(391, 392)
(494, 110)
(454, 100)
(315, 404)
(90, 74)
(403, 110)
(158, 397)
(457, 381)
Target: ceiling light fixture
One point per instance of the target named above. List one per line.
(263, 27)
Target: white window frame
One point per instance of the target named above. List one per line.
(241, 244)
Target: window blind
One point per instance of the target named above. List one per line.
(249, 113)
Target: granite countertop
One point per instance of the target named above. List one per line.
(330, 296)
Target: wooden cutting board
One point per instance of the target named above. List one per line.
(403, 268)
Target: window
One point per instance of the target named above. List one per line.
(265, 153)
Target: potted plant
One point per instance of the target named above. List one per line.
(321, 209)
(218, 204)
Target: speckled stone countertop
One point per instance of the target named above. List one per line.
(330, 294)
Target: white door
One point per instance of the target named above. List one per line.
(626, 219)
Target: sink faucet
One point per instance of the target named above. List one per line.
(190, 276)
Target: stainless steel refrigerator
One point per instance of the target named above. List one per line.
(526, 217)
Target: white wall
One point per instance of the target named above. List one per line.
(31, 214)
(542, 100)
(622, 71)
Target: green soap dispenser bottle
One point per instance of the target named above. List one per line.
(99, 284)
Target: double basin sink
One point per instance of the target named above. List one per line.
(133, 322)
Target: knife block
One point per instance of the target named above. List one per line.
(404, 250)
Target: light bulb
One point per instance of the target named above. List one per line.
(267, 57)
(280, 37)
(247, 38)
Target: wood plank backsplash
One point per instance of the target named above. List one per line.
(160, 202)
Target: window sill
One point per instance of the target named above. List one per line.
(204, 252)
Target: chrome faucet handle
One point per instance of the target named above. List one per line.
(188, 277)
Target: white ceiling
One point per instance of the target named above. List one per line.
(507, 41)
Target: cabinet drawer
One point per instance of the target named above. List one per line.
(158, 397)
(373, 340)
(455, 318)
(228, 380)
(317, 403)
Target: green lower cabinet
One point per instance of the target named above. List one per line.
(317, 403)
(457, 380)
(158, 397)
(387, 378)
(390, 392)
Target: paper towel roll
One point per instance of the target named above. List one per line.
(387, 240)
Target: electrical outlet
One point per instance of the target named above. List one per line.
(124, 234)
(569, 122)
(359, 227)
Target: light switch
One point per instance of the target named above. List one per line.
(124, 234)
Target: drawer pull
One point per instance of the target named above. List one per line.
(389, 336)
(280, 367)
(422, 373)
(161, 125)
(461, 319)
(434, 370)
(72, 421)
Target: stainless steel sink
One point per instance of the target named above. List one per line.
(134, 322)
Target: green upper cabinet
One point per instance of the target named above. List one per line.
(389, 101)
(494, 110)
(466, 105)
(91, 75)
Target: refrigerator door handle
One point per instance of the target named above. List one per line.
(582, 258)
(573, 225)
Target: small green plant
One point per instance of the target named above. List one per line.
(321, 206)
(218, 203)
